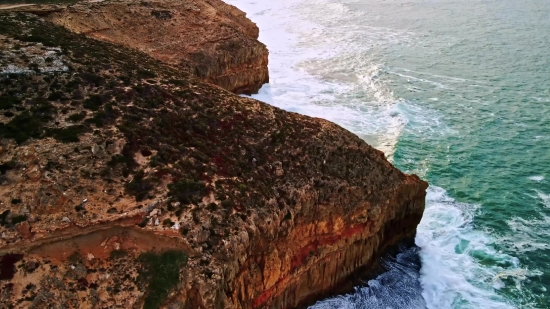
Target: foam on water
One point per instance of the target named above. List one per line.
(460, 267)
(319, 70)
(531, 234)
(537, 178)
(320, 66)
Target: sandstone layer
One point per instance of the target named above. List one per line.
(118, 170)
(210, 39)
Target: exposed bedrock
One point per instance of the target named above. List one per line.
(127, 157)
(211, 39)
(331, 234)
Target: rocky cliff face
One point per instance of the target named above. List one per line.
(210, 39)
(118, 170)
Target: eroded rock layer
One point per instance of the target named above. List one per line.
(211, 39)
(117, 170)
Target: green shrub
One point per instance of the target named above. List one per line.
(37, 38)
(75, 258)
(22, 127)
(146, 74)
(67, 134)
(94, 102)
(7, 102)
(117, 254)
(56, 96)
(139, 186)
(160, 271)
(168, 223)
(4, 167)
(120, 159)
(18, 219)
(186, 191)
(227, 204)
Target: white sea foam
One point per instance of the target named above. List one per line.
(530, 234)
(452, 274)
(545, 198)
(320, 66)
(537, 178)
(318, 69)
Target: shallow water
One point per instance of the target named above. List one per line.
(456, 91)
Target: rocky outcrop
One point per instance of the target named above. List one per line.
(210, 39)
(327, 245)
(117, 170)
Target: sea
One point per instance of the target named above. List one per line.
(455, 91)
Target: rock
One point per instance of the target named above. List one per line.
(24, 229)
(154, 212)
(150, 206)
(77, 271)
(224, 50)
(31, 266)
(272, 236)
(34, 173)
(278, 169)
(95, 149)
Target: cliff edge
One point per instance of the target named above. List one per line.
(117, 170)
(209, 39)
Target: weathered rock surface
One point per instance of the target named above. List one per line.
(211, 39)
(108, 154)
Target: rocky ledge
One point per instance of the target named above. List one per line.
(126, 182)
(210, 39)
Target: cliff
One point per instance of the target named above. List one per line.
(210, 39)
(118, 169)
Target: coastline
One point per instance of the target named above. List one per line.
(283, 209)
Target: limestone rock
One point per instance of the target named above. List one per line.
(24, 229)
(274, 209)
(154, 212)
(212, 40)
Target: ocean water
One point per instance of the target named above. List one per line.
(456, 91)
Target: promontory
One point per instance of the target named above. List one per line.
(132, 175)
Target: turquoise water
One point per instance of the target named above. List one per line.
(496, 152)
(490, 64)
(456, 91)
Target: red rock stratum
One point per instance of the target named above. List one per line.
(126, 182)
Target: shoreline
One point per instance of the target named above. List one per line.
(273, 208)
